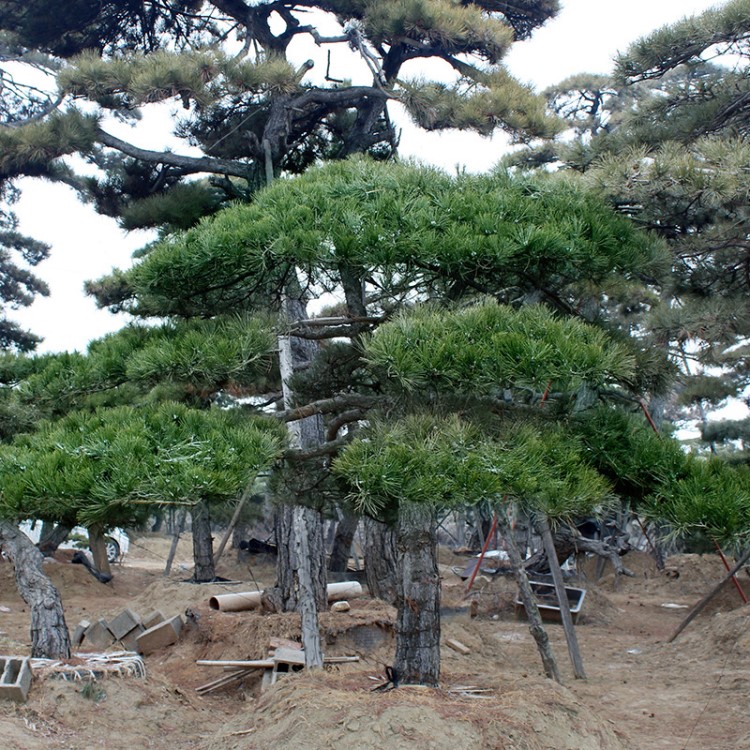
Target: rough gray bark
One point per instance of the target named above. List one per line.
(380, 560)
(51, 537)
(418, 621)
(307, 606)
(342, 542)
(287, 563)
(562, 599)
(536, 626)
(49, 633)
(203, 549)
(98, 547)
(300, 563)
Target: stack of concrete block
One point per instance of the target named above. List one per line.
(15, 678)
(130, 631)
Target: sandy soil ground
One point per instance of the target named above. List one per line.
(640, 692)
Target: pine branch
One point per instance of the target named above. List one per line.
(328, 405)
(324, 449)
(187, 163)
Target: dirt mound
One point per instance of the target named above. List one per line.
(723, 633)
(328, 711)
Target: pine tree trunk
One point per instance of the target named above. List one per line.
(203, 549)
(98, 547)
(418, 620)
(342, 542)
(307, 601)
(49, 633)
(51, 537)
(381, 571)
(288, 564)
(300, 565)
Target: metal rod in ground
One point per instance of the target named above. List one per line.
(562, 598)
(735, 580)
(698, 608)
(484, 551)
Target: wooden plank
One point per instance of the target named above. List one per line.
(457, 646)
(223, 681)
(288, 656)
(243, 664)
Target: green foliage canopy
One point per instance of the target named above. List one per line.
(405, 227)
(113, 465)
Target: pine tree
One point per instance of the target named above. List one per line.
(665, 140)
(386, 236)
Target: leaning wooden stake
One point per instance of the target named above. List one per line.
(562, 598)
(233, 522)
(536, 626)
(698, 608)
(175, 541)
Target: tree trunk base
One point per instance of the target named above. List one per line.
(49, 632)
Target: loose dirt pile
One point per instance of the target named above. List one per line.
(640, 692)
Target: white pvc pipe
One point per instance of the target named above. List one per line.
(251, 599)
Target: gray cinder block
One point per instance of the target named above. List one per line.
(99, 635)
(123, 623)
(158, 637)
(15, 678)
(80, 632)
(153, 619)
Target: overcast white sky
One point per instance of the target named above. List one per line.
(584, 37)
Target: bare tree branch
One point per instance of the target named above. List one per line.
(187, 163)
(328, 405)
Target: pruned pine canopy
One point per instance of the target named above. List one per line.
(114, 465)
(713, 498)
(244, 104)
(445, 462)
(196, 357)
(401, 226)
(486, 349)
(468, 354)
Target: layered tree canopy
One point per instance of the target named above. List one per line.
(115, 465)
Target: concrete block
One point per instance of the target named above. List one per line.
(153, 619)
(80, 632)
(123, 623)
(99, 635)
(15, 678)
(177, 623)
(129, 640)
(159, 636)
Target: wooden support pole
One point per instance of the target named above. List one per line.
(562, 598)
(484, 551)
(536, 627)
(233, 522)
(175, 540)
(698, 608)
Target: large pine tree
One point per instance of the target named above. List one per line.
(666, 140)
